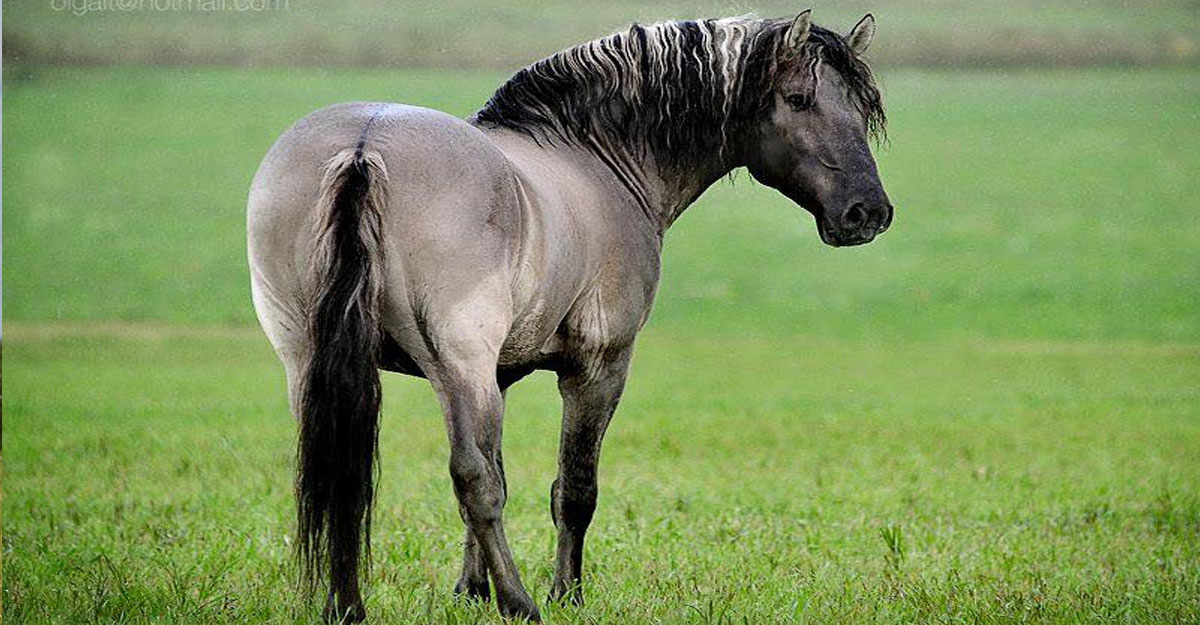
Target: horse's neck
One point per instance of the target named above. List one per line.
(662, 190)
(632, 175)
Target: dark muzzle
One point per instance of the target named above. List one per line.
(858, 224)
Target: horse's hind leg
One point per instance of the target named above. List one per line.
(590, 394)
(464, 375)
(473, 581)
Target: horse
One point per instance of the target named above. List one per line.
(526, 237)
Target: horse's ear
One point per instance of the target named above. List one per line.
(797, 33)
(859, 38)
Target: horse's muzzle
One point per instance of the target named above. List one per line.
(859, 224)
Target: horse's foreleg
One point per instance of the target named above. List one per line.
(474, 411)
(590, 396)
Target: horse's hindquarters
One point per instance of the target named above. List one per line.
(449, 222)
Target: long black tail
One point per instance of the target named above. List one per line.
(340, 394)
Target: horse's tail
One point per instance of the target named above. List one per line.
(340, 392)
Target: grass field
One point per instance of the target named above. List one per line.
(990, 415)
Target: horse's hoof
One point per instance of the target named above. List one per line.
(473, 589)
(519, 607)
(572, 595)
(570, 598)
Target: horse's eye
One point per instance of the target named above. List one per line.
(798, 102)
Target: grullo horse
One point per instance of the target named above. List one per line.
(529, 236)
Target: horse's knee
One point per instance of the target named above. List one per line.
(573, 505)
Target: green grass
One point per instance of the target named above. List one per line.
(743, 481)
(989, 415)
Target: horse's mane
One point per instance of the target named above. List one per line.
(682, 86)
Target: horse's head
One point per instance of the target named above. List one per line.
(808, 137)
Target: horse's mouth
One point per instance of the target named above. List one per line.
(840, 238)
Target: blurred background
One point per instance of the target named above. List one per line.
(504, 35)
(992, 410)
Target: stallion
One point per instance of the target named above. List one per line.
(529, 236)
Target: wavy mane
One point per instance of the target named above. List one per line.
(681, 86)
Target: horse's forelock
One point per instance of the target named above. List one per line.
(769, 60)
(832, 49)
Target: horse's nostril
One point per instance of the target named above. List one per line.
(887, 219)
(855, 216)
